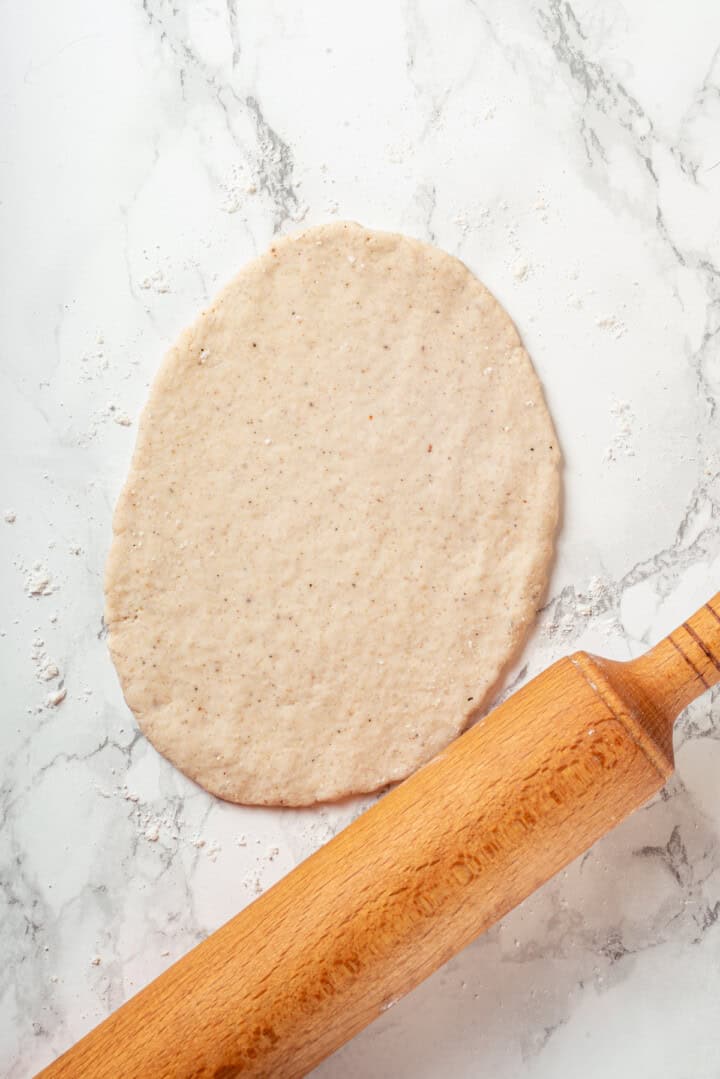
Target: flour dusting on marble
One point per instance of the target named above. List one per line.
(520, 268)
(612, 325)
(38, 581)
(622, 442)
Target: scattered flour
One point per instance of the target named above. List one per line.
(93, 362)
(474, 218)
(621, 444)
(100, 416)
(152, 827)
(572, 610)
(165, 828)
(237, 185)
(213, 850)
(155, 281)
(38, 581)
(45, 669)
(613, 325)
(254, 883)
(520, 268)
(540, 207)
(597, 598)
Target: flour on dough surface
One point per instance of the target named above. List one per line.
(338, 520)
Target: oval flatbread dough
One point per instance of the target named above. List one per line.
(337, 524)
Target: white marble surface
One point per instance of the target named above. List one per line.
(569, 154)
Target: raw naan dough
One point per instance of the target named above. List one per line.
(337, 524)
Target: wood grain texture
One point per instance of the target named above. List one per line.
(429, 867)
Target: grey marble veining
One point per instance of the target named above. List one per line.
(570, 154)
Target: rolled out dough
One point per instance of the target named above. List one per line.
(337, 524)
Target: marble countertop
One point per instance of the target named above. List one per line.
(570, 154)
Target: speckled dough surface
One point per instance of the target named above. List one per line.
(337, 524)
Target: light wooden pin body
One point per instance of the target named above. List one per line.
(415, 878)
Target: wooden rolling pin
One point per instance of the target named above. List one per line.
(416, 877)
